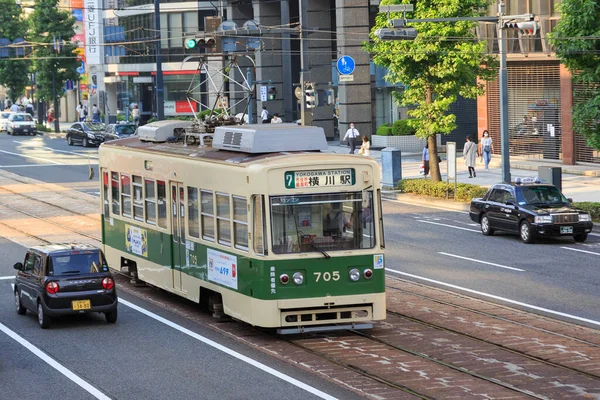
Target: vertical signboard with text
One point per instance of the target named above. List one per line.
(93, 31)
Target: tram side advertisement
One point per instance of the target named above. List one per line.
(320, 178)
(222, 268)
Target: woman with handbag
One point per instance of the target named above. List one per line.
(486, 148)
(470, 155)
(364, 147)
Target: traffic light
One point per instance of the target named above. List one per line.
(396, 34)
(201, 43)
(311, 99)
(528, 28)
(271, 93)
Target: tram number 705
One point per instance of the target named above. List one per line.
(327, 276)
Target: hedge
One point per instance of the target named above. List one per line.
(384, 130)
(401, 128)
(591, 207)
(426, 187)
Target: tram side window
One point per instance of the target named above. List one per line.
(116, 205)
(223, 219)
(138, 199)
(161, 202)
(150, 200)
(208, 217)
(106, 195)
(240, 223)
(126, 194)
(259, 226)
(193, 222)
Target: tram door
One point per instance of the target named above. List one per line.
(178, 226)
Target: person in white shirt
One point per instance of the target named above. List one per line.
(264, 115)
(351, 135)
(486, 148)
(78, 110)
(365, 147)
(276, 119)
(14, 108)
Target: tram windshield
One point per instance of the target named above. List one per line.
(322, 222)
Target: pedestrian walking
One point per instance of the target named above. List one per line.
(365, 147)
(276, 119)
(78, 111)
(29, 109)
(487, 147)
(95, 114)
(14, 107)
(351, 135)
(50, 116)
(135, 113)
(264, 115)
(425, 160)
(470, 155)
(83, 113)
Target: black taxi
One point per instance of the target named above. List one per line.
(531, 209)
(59, 279)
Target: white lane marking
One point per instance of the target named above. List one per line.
(72, 152)
(481, 262)
(5, 278)
(54, 364)
(230, 352)
(594, 234)
(29, 165)
(426, 206)
(492, 296)
(35, 158)
(449, 226)
(581, 251)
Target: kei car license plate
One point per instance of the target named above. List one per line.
(81, 304)
(566, 229)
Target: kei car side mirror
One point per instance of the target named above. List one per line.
(18, 266)
(570, 200)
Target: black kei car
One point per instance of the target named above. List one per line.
(61, 279)
(119, 131)
(86, 134)
(531, 210)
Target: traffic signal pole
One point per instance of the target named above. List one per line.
(503, 76)
(160, 90)
(305, 114)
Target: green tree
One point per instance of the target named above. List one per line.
(13, 72)
(444, 61)
(575, 40)
(49, 24)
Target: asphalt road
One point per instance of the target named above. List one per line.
(446, 248)
(139, 357)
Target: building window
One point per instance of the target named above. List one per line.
(138, 199)
(175, 30)
(208, 216)
(150, 200)
(116, 206)
(161, 202)
(240, 223)
(193, 222)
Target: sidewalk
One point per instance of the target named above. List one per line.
(579, 182)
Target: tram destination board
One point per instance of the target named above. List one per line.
(320, 178)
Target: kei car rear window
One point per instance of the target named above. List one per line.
(79, 263)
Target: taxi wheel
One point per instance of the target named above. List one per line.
(526, 232)
(69, 141)
(485, 226)
(85, 142)
(111, 316)
(580, 237)
(43, 319)
(20, 309)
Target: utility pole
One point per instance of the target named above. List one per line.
(54, 98)
(160, 95)
(305, 114)
(503, 76)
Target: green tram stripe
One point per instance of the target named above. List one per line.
(254, 277)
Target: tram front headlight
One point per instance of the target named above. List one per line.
(354, 274)
(298, 278)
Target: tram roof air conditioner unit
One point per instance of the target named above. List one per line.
(269, 138)
(160, 131)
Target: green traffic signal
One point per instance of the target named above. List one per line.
(190, 43)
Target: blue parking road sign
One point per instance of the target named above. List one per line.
(345, 65)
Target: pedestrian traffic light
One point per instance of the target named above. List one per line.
(201, 43)
(528, 28)
(311, 99)
(271, 93)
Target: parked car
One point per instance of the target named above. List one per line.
(86, 134)
(119, 131)
(62, 279)
(530, 209)
(4, 120)
(18, 123)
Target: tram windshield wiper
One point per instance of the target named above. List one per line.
(317, 247)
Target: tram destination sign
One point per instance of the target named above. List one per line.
(319, 178)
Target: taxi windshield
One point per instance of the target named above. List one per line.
(322, 222)
(537, 195)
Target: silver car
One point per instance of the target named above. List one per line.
(21, 123)
(4, 119)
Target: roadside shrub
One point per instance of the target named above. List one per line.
(384, 130)
(401, 128)
(42, 128)
(591, 207)
(425, 187)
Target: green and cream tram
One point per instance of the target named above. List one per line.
(261, 223)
